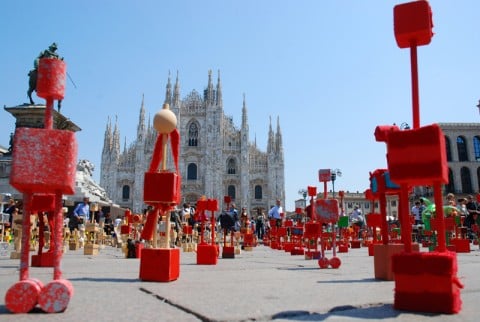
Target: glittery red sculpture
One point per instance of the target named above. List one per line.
(44, 162)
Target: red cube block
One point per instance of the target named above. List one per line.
(125, 229)
(418, 156)
(413, 24)
(44, 160)
(228, 252)
(382, 260)
(461, 245)
(355, 243)
(43, 259)
(42, 202)
(343, 248)
(51, 78)
(161, 187)
(327, 210)
(297, 251)
(374, 220)
(312, 229)
(187, 230)
(207, 254)
(212, 205)
(427, 282)
(201, 205)
(312, 254)
(160, 264)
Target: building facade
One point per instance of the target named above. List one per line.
(462, 142)
(216, 158)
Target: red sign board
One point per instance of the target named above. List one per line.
(324, 175)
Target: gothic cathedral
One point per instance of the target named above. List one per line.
(216, 158)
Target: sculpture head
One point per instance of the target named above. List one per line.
(165, 120)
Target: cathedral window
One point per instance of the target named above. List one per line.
(231, 192)
(258, 192)
(192, 171)
(193, 135)
(231, 166)
(126, 192)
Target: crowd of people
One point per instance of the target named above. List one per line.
(230, 219)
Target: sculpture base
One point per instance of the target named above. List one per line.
(461, 245)
(382, 259)
(207, 254)
(312, 254)
(297, 251)
(160, 264)
(427, 282)
(91, 249)
(228, 252)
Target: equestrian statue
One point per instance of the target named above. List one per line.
(32, 74)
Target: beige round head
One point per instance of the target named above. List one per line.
(165, 120)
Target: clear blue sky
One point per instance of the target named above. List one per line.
(331, 71)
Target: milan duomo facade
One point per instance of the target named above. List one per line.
(216, 158)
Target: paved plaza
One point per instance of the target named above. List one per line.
(259, 285)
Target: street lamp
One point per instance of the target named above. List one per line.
(303, 193)
(404, 126)
(333, 176)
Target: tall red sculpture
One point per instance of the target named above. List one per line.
(44, 162)
(424, 282)
(161, 190)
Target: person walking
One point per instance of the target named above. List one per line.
(260, 225)
(276, 213)
(81, 214)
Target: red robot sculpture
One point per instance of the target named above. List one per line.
(161, 191)
(424, 282)
(44, 162)
(207, 254)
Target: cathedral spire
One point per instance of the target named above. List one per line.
(176, 93)
(107, 141)
(271, 138)
(219, 98)
(168, 92)
(278, 140)
(244, 113)
(208, 93)
(141, 121)
(116, 138)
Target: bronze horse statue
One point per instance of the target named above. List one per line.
(32, 74)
